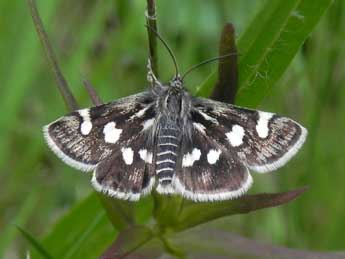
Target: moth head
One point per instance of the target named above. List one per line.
(176, 82)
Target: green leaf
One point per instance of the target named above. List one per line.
(141, 242)
(129, 241)
(120, 212)
(222, 244)
(9, 232)
(166, 210)
(23, 60)
(194, 213)
(269, 44)
(226, 87)
(86, 225)
(35, 243)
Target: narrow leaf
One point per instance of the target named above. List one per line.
(197, 213)
(226, 86)
(221, 244)
(21, 62)
(120, 212)
(269, 44)
(128, 242)
(35, 243)
(9, 232)
(86, 225)
(62, 84)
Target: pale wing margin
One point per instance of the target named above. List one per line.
(85, 137)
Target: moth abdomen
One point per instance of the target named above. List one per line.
(166, 153)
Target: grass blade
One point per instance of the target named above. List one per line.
(226, 87)
(62, 84)
(86, 225)
(36, 244)
(9, 232)
(269, 44)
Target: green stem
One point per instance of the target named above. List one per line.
(166, 211)
(171, 248)
(151, 22)
(62, 84)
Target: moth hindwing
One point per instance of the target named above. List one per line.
(178, 144)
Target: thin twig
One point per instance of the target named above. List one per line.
(151, 22)
(62, 84)
(227, 84)
(92, 93)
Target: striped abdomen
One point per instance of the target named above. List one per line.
(166, 155)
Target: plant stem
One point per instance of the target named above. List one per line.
(171, 248)
(92, 93)
(62, 84)
(151, 21)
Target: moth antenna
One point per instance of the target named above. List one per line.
(62, 84)
(207, 62)
(167, 47)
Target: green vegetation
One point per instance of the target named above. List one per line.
(50, 209)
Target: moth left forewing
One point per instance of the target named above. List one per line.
(208, 172)
(282, 141)
(263, 141)
(85, 137)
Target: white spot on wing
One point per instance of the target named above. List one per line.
(147, 124)
(127, 154)
(235, 136)
(140, 113)
(68, 160)
(111, 133)
(262, 124)
(213, 156)
(286, 157)
(86, 125)
(199, 127)
(190, 158)
(208, 117)
(146, 156)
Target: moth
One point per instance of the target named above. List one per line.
(167, 140)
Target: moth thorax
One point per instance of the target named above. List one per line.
(166, 154)
(173, 105)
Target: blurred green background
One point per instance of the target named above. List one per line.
(106, 43)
